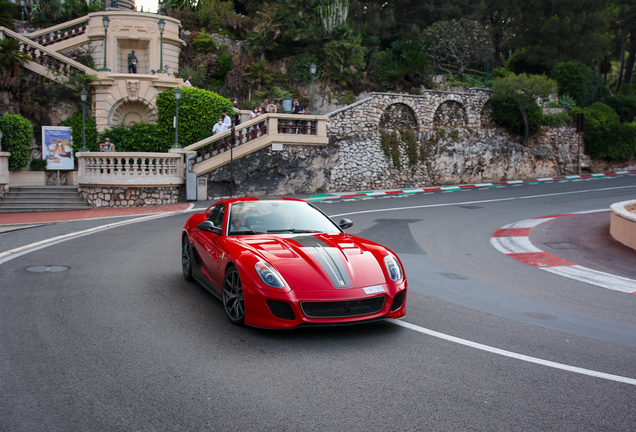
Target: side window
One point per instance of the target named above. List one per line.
(216, 215)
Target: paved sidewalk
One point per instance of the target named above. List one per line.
(95, 213)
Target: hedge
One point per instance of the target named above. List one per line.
(17, 136)
(198, 111)
(141, 137)
(75, 122)
(605, 136)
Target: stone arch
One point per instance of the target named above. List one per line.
(487, 115)
(449, 114)
(128, 113)
(398, 116)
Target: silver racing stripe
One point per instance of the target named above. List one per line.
(329, 259)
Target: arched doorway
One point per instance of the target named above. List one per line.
(449, 114)
(398, 116)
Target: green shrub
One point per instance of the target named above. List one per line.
(38, 164)
(557, 119)
(204, 43)
(605, 136)
(580, 82)
(140, 137)
(198, 111)
(624, 105)
(17, 136)
(75, 122)
(510, 117)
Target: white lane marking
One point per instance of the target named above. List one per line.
(528, 223)
(484, 201)
(517, 356)
(23, 250)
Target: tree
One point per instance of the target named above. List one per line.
(17, 135)
(458, 42)
(8, 10)
(501, 20)
(523, 90)
(11, 58)
(554, 31)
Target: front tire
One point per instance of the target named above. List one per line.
(233, 302)
(186, 259)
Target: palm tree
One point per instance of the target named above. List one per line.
(7, 12)
(11, 58)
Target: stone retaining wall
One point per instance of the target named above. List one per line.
(105, 196)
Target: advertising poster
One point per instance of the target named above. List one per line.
(57, 147)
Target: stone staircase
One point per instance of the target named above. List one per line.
(39, 199)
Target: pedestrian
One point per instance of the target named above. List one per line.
(271, 108)
(260, 111)
(298, 108)
(152, 71)
(132, 62)
(235, 103)
(227, 120)
(219, 127)
(254, 113)
(187, 82)
(106, 146)
(166, 70)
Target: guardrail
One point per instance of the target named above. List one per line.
(60, 32)
(256, 134)
(46, 57)
(130, 169)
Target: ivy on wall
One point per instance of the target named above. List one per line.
(390, 142)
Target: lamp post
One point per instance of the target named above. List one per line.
(105, 21)
(161, 24)
(83, 95)
(312, 69)
(177, 96)
(22, 2)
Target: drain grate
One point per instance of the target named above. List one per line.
(47, 269)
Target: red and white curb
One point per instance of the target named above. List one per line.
(514, 241)
(454, 188)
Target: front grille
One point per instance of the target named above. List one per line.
(398, 300)
(342, 309)
(281, 309)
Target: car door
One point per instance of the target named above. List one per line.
(207, 244)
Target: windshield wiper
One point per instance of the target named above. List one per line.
(292, 230)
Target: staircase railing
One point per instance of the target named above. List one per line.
(251, 130)
(47, 57)
(60, 32)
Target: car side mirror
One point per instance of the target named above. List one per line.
(345, 223)
(208, 226)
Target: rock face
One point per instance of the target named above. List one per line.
(456, 143)
(294, 170)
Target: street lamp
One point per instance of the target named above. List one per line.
(312, 69)
(83, 95)
(22, 2)
(177, 96)
(161, 24)
(105, 22)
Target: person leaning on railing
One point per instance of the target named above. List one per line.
(107, 146)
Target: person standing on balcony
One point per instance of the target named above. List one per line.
(106, 146)
(166, 70)
(271, 108)
(132, 62)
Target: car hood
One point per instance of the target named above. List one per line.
(324, 261)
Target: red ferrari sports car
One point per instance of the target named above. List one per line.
(282, 263)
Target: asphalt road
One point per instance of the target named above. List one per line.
(120, 341)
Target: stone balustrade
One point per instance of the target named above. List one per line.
(130, 169)
(4, 172)
(623, 222)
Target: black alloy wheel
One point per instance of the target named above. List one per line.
(186, 259)
(233, 297)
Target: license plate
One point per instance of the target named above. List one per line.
(374, 289)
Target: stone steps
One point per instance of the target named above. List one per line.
(37, 199)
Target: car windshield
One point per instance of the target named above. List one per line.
(260, 217)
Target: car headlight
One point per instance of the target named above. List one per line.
(269, 275)
(393, 268)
